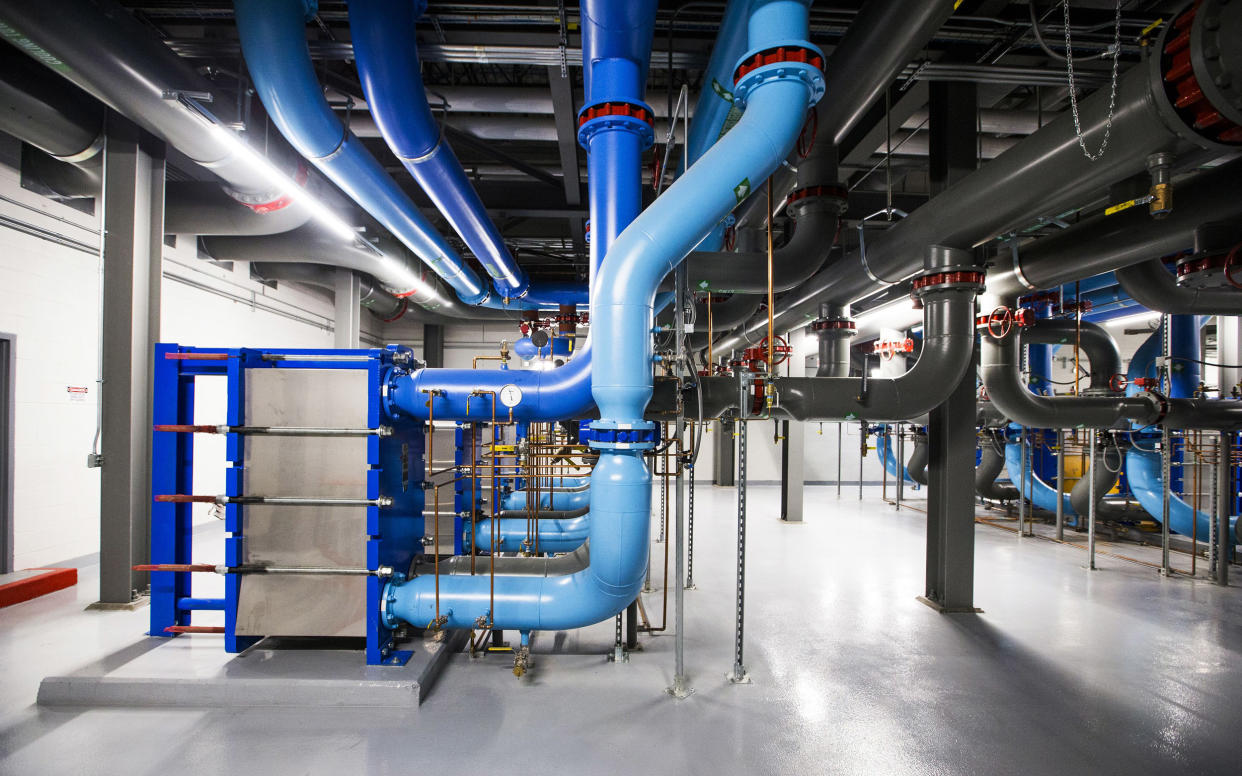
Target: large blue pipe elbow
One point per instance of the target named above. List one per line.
(1038, 492)
(618, 547)
(634, 265)
(1143, 471)
(887, 455)
(559, 500)
(512, 534)
(273, 38)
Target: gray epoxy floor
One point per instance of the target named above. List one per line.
(1067, 671)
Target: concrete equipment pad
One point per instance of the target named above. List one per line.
(196, 672)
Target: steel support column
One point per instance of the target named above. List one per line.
(433, 345)
(722, 449)
(950, 501)
(348, 309)
(133, 222)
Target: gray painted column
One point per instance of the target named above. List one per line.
(950, 501)
(793, 484)
(133, 221)
(722, 449)
(433, 345)
(348, 313)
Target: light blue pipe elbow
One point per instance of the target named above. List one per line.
(618, 536)
(273, 38)
(1143, 470)
(1038, 492)
(889, 457)
(554, 536)
(646, 251)
(558, 500)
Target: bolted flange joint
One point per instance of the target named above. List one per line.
(789, 59)
(610, 435)
(626, 115)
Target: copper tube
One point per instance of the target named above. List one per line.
(475, 363)
(194, 629)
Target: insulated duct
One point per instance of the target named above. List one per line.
(99, 46)
(385, 306)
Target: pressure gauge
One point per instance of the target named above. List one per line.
(511, 396)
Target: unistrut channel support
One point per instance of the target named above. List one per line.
(738, 675)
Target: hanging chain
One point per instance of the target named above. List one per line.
(1112, 89)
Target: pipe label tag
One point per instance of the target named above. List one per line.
(742, 190)
(722, 92)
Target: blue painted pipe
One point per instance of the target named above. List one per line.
(560, 500)
(716, 96)
(189, 604)
(1143, 469)
(887, 454)
(555, 535)
(623, 316)
(557, 346)
(273, 38)
(1184, 344)
(386, 53)
(1038, 492)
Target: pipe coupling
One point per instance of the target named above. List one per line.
(798, 59)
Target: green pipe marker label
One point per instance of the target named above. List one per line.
(724, 93)
(742, 190)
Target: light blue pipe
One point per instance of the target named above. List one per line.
(1143, 469)
(1185, 332)
(555, 535)
(889, 457)
(649, 248)
(273, 38)
(524, 349)
(559, 500)
(562, 393)
(1038, 492)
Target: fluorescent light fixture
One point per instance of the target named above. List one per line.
(1138, 318)
(285, 185)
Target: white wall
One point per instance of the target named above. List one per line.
(49, 298)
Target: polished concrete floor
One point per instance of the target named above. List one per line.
(1066, 672)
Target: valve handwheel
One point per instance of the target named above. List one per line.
(1000, 320)
(780, 354)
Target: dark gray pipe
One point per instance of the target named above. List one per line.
(102, 48)
(792, 263)
(377, 300)
(991, 464)
(310, 245)
(916, 467)
(1001, 378)
(1105, 480)
(1154, 287)
(36, 106)
(1045, 173)
(882, 39)
(1103, 355)
(1105, 243)
(834, 343)
(947, 355)
(203, 208)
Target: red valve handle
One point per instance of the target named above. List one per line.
(1117, 383)
(782, 350)
(1004, 317)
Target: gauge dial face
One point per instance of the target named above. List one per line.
(511, 396)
